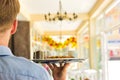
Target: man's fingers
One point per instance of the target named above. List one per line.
(51, 66)
(66, 65)
(61, 64)
(54, 65)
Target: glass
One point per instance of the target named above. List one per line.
(90, 74)
(75, 75)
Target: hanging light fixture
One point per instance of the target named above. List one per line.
(60, 15)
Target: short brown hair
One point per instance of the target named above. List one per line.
(8, 12)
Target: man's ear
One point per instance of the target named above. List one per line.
(14, 26)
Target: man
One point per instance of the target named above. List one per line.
(18, 68)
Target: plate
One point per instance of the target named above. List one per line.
(59, 60)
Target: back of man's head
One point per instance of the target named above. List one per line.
(8, 12)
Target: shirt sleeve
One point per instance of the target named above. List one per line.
(45, 74)
(48, 76)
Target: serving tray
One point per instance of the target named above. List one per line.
(59, 60)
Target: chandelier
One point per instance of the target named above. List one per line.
(60, 15)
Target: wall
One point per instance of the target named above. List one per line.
(20, 41)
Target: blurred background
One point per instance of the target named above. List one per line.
(84, 29)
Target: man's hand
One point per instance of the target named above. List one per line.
(59, 73)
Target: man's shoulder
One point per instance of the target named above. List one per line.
(23, 66)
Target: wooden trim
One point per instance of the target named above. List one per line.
(80, 26)
(58, 32)
(99, 7)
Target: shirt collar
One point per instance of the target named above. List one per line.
(5, 51)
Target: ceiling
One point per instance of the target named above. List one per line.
(35, 10)
(45, 6)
